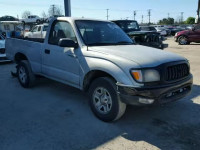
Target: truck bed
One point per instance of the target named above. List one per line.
(31, 48)
(40, 40)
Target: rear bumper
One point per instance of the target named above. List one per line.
(159, 95)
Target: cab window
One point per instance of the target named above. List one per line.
(60, 30)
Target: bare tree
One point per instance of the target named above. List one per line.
(44, 14)
(55, 10)
(25, 14)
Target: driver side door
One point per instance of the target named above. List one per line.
(61, 63)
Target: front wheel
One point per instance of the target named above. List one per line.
(104, 101)
(182, 40)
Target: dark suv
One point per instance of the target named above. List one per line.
(146, 38)
(187, 36)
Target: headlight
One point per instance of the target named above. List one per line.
(176, 34)
(149, 75)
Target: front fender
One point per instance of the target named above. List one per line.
(91, 64)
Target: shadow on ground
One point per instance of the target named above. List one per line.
(54, 116)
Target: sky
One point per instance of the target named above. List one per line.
(118, 9)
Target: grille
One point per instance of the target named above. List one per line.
(177, 72)
(152, 38)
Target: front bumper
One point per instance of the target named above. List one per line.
(159, 94)
(176, 38)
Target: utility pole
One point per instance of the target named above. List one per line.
(53, 9)
(67, 4)
(142, 18)
(149, 14)
(168, 15)
(182, 17)
(107, 13)
(198, 13)
(134, 14)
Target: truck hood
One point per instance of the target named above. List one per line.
(142, 55)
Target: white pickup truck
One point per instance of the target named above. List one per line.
(39, 31)
(99, 58)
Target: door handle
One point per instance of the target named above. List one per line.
(47, 51)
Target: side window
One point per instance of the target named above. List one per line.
(61, 30)
(39, 28)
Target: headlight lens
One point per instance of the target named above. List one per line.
(149, 75)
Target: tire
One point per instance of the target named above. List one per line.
(25, 74)
(183, 40)
(37, 21)
(104, 100)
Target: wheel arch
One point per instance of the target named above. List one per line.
(20, 56)
(94, 74)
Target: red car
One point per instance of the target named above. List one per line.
(187, 36)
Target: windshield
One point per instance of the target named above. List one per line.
(45, 28)
(97, 33)
(128, 26)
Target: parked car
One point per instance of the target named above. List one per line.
(162, 31)
(98, 58)
(32, 19)
(174, 30)
(146, 38)
(2, 49)
(148, 28)
(2, 44)
(187, 36)
(39, 31)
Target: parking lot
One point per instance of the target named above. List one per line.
(53, 116)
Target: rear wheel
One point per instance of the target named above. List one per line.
(25, 74)
(104, 101)
(183, 40)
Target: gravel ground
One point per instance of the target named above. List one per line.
(53, 116)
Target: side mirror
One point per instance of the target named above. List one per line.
(67, 43)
